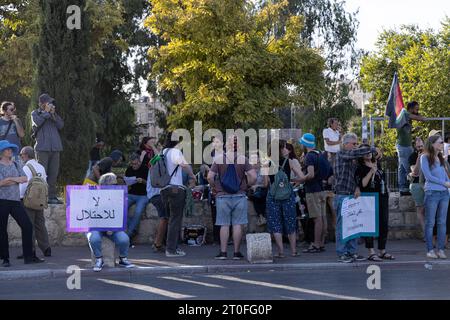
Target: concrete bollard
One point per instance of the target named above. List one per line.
(108, 252)
(259, 248)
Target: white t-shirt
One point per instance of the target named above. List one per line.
(40, 170)
(446, 150)
(175, 157)
(332, 135)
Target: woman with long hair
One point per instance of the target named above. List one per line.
(147, 150)
(437, 182)
(371, 178)
(281, 214)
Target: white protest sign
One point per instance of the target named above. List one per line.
(99, 208)
(360, 216)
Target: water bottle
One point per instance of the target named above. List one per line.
(383, 190)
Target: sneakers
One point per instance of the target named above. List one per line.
(238, 256)
(432, 255)
(6, 263)
(48, 252)
(221, 256)
(33, 259)
(357, 257)
(345, 259)
(124, 263)
(98, 265)
(177, 253)
(54, 201)
(441, 254)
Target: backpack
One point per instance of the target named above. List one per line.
(158, 171)
(281, 188)
(229, 181)
(36, 194)
(323, 167)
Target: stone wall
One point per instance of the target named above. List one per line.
(403, 223)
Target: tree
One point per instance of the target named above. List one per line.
(224, 66)
(331, 29)
(64, 70)
(422, 60)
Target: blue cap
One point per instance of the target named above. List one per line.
(116, 155)
(5, 144)
(308, 140)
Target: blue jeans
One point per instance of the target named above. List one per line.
(120, 238)
(342, 247)
(141, 205)
(436, 202)
(403, 166)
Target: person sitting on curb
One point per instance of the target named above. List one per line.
(104, 166)
(120, 238)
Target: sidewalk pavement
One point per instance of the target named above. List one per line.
(201, 260)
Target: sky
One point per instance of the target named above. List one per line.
(376, 15)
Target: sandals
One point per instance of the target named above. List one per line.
(387, 256)
(280, 256)
(296, 254)
(374, 257)
(312, 249)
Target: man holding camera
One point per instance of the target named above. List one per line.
(46, 126)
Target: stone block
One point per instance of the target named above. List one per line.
(259, 248)
(73, 240)
(396, 218)
(411, 218)
(393, 203)
(406, 203)
(108, 252)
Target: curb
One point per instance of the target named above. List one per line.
(141, 271)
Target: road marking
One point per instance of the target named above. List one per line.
(149, 289)
(279, 286)
(193, 282)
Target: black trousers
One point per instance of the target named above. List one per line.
(383, 224)
(17, 211)
(174, 199)
(216, 229)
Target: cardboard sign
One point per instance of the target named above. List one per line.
(360, 216)
(96, 208)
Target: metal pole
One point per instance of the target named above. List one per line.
(443, 129)
(372, 132)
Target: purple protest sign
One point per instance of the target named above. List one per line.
(96, 208)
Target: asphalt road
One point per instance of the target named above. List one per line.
(397, 282)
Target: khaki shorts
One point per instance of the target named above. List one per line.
(316, 204)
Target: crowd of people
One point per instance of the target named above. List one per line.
(309, 186)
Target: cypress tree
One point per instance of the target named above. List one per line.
(64, 71)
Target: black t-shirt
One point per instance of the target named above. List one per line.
(412, 162)
(138, 189)
(315, 184)
(378, 181)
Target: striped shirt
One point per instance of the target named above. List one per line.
(345, 168)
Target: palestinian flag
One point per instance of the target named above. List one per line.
(395, 108)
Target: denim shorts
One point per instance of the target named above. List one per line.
(231, 210)
(417, 193)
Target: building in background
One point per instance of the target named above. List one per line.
(146, 109)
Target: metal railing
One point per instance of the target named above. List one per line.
(373, 119)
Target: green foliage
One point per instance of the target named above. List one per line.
(64, 71)
(422, 60)
(224, 65)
